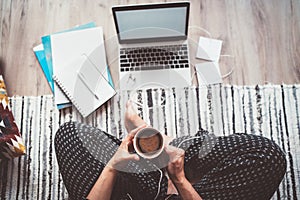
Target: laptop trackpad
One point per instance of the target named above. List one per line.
(162, 78)
(155, 79)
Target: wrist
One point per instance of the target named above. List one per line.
(111, 164)
(178, 179)
(110, 167)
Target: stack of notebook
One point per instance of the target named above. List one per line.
(74, 63)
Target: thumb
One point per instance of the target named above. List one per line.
(174, 152)
(170, 149)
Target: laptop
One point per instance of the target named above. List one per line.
(153, 46)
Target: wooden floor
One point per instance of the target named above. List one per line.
(262, 37)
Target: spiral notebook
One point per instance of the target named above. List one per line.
(67, 46)
(84, 84)
(43, 54)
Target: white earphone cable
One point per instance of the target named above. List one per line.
(159, 183)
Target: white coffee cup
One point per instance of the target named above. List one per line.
(148, 143)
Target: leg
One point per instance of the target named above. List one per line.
(82, 152)
(132, 120)
(239, 166)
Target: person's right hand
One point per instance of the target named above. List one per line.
(122, 155)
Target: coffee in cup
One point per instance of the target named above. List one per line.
(148, 143)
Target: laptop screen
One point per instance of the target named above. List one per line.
(152, 22)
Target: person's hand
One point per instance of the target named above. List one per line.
(122, 155)
(175, 166)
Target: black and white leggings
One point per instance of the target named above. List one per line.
(239, 166)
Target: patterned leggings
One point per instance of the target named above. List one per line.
(239, 166)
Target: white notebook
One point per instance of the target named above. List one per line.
(80, 69)
(68, 46)
(84, 84)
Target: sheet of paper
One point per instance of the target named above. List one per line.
(209, 49)
(208, 73)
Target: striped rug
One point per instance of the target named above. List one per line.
(269, 110)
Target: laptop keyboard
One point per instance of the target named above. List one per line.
(155, 57)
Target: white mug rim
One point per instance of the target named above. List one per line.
(157, 153)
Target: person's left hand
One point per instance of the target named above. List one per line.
(122, 155)
(175, 167)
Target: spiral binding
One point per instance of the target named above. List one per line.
(61, 86)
